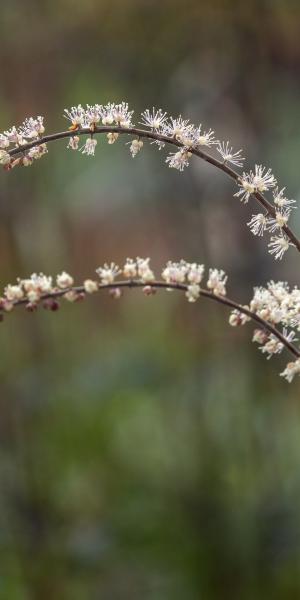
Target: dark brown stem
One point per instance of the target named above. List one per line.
(141, 133)
(176, 286)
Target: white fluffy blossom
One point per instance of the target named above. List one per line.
(175, 272)
(193, 292)
(228, 155)
(89, 147)
(73, 142)
(281, 200)
(195, 273)
(238, 318)
(291, 369)
(112, 137)
(260, 180)
(154, 119)
(178, 160)
(274, 346)
(32, 128)
(144, 271)
(280, 220)
(76, 115)
(177, 128)
(258, 224)
(4, 157)
(205, 138)
(279, 245)
(135, 147)
(64, 280)
(90, 286)
(217, 282)
(108, 273)
(130, 268)
(263, 179)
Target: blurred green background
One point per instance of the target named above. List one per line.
(148, 451)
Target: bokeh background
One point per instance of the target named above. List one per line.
(147, 449)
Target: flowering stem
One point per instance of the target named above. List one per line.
(135, 283)
(141, 133)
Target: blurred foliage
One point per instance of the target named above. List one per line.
(147, 450)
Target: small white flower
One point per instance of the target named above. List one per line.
(14, 137)
(37, 151)
(275, 346)
(178, 160)
(73, 142)
(280, 199)
(155, 120)
(4, 157)
(258, 224)
(217, 281)
(130, 268)
(238, 318)
(108, 273)
(27, 161)
(90, 286)
(246, 187)
(107, 114)
(33, 295)
(259, 181)
(64, 280)
(195, 273)
(36, 285)
(135, 147)
(228, 155)
(193, 292)
(278, 246)
(176, 128)
(205, 138)
(122, 115)
(174, 272)
(4, 141)
(260, 336)
(89, 147)
(263, 179)
(281, 219)
(292, 369)
(143, 269)
(13, 292)
(32, 128)
(272, 346)
(76, 115)
(112, 137)
(92, 116)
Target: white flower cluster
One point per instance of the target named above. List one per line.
(262, 181)
(184, 273)
(31, 290)
(279, 306)
(276, 305)
(192, 138)
(179, 129)
(181, 275)
(30, 130)
(189, 139)
(90, 116)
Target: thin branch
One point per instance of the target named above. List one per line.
(142, 133)
(175, 286)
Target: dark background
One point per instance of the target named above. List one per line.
(148, 450)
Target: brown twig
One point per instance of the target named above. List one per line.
(142, 133)
(57, 293)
